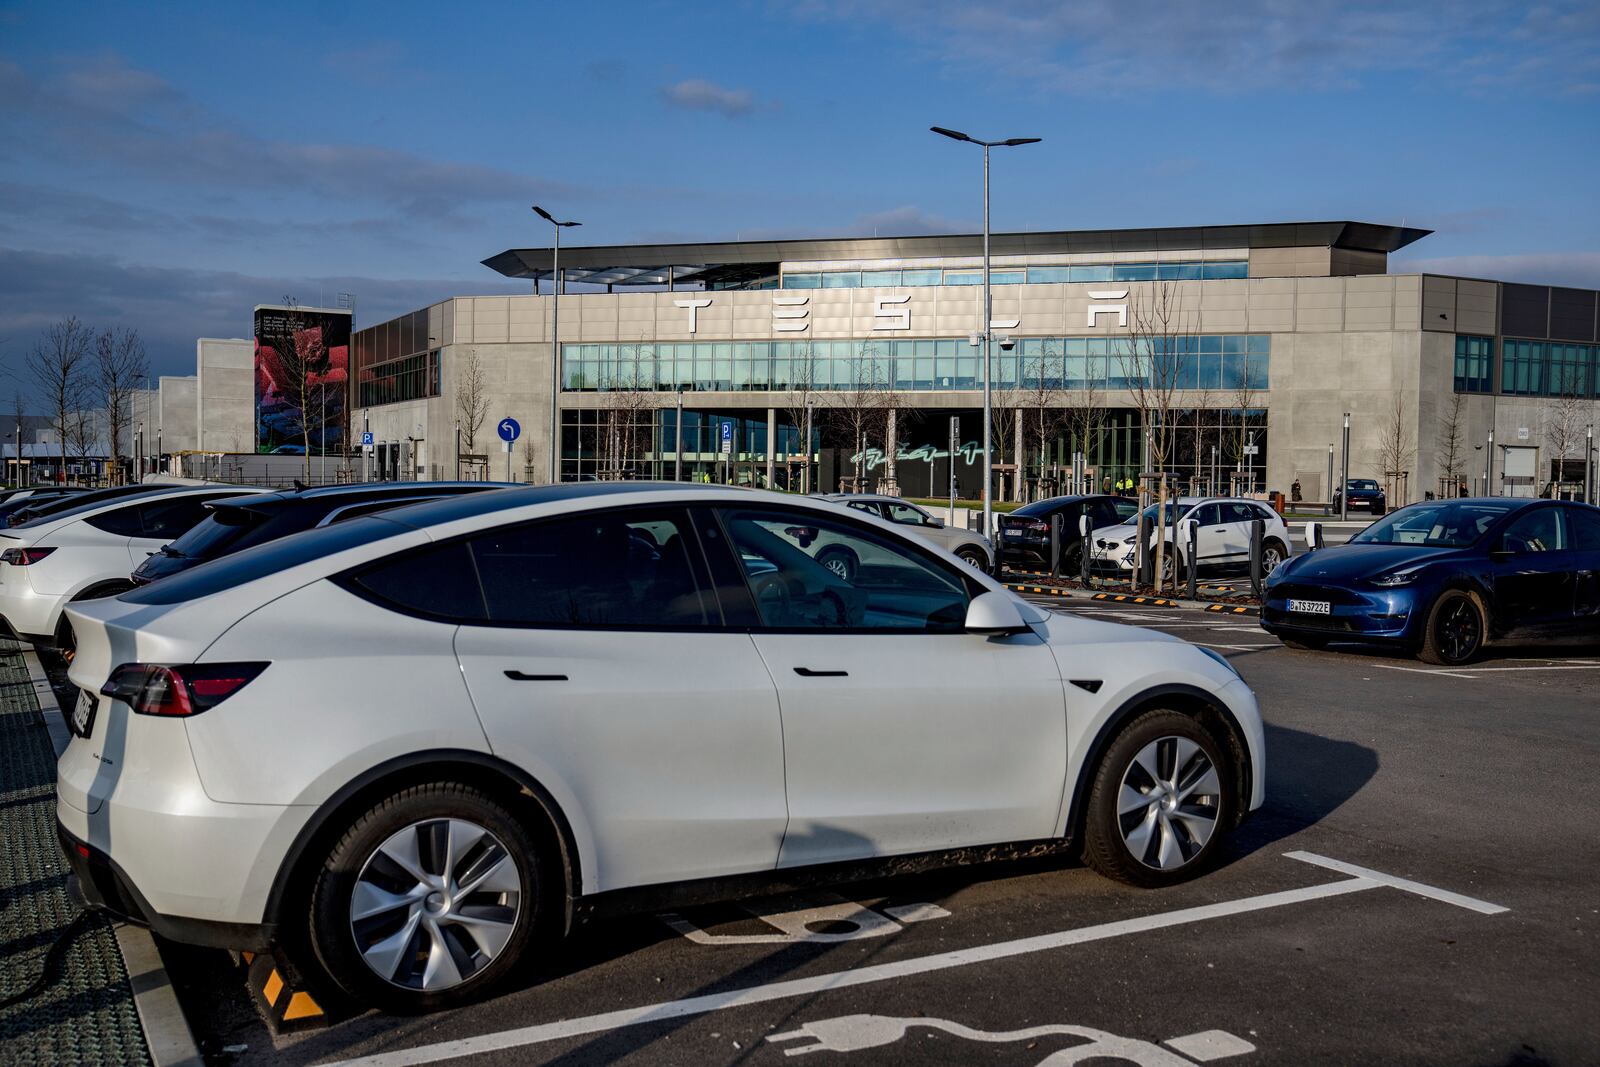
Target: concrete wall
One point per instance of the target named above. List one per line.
(178, 408)
(225, 394)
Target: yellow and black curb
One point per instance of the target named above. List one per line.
(281, 996)
(1233, 609)
(1044, 590)
(1128, 598)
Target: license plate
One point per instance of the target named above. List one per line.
(82, 720)
(1311, 607)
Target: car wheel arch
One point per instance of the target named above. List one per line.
(1186, 699)
(92, 591)
(500, 779)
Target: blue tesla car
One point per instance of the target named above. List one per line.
(1446, 577)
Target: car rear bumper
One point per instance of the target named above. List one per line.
(105, 887)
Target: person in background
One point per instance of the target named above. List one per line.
(1294, 492)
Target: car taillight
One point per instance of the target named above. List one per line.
(181, 691)
(21, 557)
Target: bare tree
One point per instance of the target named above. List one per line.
(56, 367)
(858, 410)
(1397, 447)
(1564, 428)
(627, 396)
(801, 407)
(1039, 393)
(1450, 449)
(1154, 355)
(82, 427)
(120, 363)
(472, 400)
(1202, 427)
(1084, 413)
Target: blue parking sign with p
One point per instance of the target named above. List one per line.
(366, 438)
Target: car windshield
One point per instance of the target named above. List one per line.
(1363, 483)
(1044, 508)
(1174, 512)
(1447, 524)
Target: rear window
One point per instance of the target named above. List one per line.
(1041, 508)
(215, 534)
(262, 560)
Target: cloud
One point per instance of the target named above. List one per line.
(1580, 270)
(908, 220)
(172, 306)
(1152, 46)
(696, 94)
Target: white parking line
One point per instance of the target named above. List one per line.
(1468, 672)
(1364, 879)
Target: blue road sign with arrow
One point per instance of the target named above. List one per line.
(510, 430)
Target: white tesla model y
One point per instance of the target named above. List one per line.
(420, 743)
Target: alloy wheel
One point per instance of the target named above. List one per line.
(1169, 801)
(435, 904)
(837, 565)
(1270, 558)
(1459, 630)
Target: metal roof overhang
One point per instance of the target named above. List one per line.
(746, 260)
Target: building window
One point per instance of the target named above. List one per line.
(1231, 362)
(392, 381)
(1544, 368)
(1107, 272)
(1474, 364)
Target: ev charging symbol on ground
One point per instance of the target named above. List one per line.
(795, 924)
(853, 1033)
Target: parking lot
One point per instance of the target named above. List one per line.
(1417, 889)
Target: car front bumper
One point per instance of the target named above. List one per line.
(1388, 615)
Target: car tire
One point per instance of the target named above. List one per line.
(841, 561)
(973, 558)
(1272, 556)
(1175, 835)
(1455, 631)
(451, 955)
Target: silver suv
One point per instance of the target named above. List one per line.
(971, 547)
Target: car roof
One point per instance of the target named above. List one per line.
(83, 508)
(360, 492)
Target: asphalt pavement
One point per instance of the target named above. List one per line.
(1418, 889)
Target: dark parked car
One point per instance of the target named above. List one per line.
(1025, 533)
(237, 523)
(75, 498)
(1363, 493)
(17, 499)
(1446, 577)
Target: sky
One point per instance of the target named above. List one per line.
(166, 167)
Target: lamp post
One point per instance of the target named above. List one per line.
(1330, 476)
(805, 477)
(1488, 466)
(986, 328)
(555, 343)
(1344, 473)
(1588, 463)
(677, 440)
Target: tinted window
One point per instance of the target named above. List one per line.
(1237, 513)
(262, 560)
(1540, 530)
(169, 518)
(810, 572)
(212, 536)
(1041, 508)
(866, 506)
(124, 522)
(1583, 529)
(1208, 515)
(438, 581)
(602, 568)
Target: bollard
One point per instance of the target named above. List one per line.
(1055, 545)
(1143, 560)
(1258, 527)
(1313, 536)
(1191, 541)
(1085, 550)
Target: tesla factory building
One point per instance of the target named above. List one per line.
(721, 356)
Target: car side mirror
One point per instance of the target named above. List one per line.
(995, 613)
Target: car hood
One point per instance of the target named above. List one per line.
(1357, 561)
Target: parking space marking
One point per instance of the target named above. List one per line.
(795, 923)
(539, 1033)
(1468, 672)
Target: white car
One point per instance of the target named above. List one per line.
(970, 547)
(413, 747)
(89, 551)
(1222, 537)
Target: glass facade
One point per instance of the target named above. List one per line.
(1474, 364)
(1545, 368)
(1090, 272)
(1228, 361)
(407, 378)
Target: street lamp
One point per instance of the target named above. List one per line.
(986, 327)
(555, 344)
(1344, 473)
